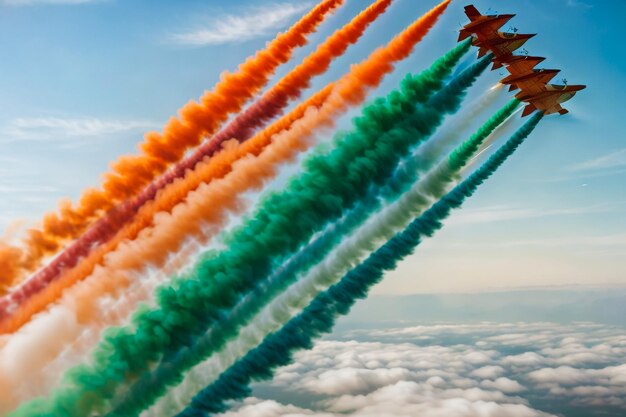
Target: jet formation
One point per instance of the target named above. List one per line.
(533, 83)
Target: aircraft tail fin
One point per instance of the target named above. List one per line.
(472, 12)
(496, 64)
(482, 52)
(563, 111)
(528, 109)
(513, 87)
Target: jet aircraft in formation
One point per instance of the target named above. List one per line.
(533, 83)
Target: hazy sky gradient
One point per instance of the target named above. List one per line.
(81, 81)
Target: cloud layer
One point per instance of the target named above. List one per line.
(503, 370)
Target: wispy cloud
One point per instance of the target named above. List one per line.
(57, 128)
(35, 2)
(26, 189)
(616, 159)
(584, 175)
(250, 24)
(579, 4)
(616, 240)
(502, 213)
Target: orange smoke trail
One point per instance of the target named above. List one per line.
(131, 173)
(238, 168)
(165, 201)
(242, 127)
(9, 261)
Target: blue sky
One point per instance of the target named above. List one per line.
(81, 81)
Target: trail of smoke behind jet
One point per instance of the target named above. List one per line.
(241, 128)
(411, 91)
(319, 317)
(33, 360)
(433, 150)
(326, 273)
(80, 308)
(131, 173)
(350, 91)
(252, 302)
(399, 105)
(86, 389)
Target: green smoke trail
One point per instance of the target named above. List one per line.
(428, 154)
(396, 216)
(349, 253)
(462, 154)
(397, 105)
(319, 317)
(217, 283)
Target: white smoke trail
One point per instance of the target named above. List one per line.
(366, 239)
(34, 371)
(503, 130)
(349, 253)
(442, 143)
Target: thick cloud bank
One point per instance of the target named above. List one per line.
(478, 370)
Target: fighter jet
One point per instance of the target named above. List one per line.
(549, 99)
(531, 82)
(485, 35)
(482, 26)
(502, 45)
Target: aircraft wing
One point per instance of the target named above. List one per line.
(488, 30)
(530, 87)
(522, 64)
(545, 106)
(531, 83)
(530, 107)
(502, 45)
